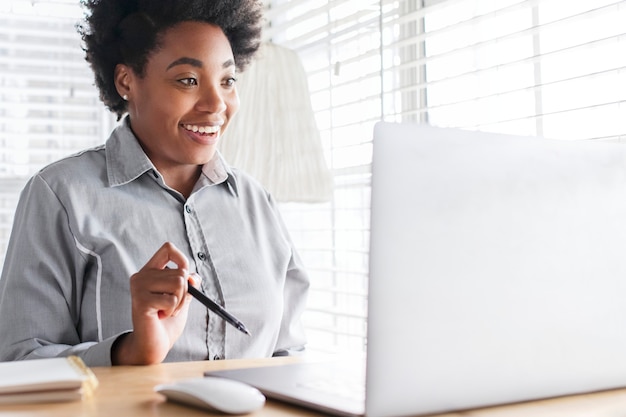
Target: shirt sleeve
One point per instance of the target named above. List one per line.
(41, 284)
(292, 338)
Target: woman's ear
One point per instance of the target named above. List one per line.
(122, 78)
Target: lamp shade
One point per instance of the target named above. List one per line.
(274, 136)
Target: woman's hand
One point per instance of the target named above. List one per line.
(160, 304)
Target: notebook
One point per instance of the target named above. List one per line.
(497, 275)
(45, 380)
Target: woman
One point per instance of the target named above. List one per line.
(105, 241)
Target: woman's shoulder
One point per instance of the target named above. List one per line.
(247, 184)
(81, 166)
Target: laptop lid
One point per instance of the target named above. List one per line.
(497, 269)
(496, 273)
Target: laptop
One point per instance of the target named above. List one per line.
(497, 275)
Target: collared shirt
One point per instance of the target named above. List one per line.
(86, 223)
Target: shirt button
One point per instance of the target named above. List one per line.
(201, 256)
(187, 208)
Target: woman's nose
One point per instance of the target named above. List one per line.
(211, 100)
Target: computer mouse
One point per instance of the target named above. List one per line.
(214, 394)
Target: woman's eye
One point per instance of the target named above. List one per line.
(188, 81)
(230, 81)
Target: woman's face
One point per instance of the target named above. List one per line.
(183, 103)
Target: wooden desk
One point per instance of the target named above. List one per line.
(128, 392)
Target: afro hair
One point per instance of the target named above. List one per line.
(128, 31)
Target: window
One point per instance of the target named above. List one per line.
(548, 68)
(49, 107)
(553, 68)
(339, 44)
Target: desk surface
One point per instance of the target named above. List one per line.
(128, 391)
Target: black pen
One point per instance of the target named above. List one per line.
(217, 309)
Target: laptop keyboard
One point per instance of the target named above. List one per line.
(350, 387)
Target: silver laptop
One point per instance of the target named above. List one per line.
(497, 275)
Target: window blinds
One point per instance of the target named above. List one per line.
(339, 44)
(553, 68)
(49, 107)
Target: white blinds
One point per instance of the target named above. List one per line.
(339, 44)
(553, 68)
(49, 107)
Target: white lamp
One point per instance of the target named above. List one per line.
(274, 136)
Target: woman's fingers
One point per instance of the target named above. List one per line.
(166, 254)
(157, 287)
(159, 307)
(162, 290)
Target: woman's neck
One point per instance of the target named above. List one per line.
(182, 178)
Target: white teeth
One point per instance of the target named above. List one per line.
(202, 129)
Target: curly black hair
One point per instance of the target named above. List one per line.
(128, 31)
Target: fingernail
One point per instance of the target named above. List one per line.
(195, 278)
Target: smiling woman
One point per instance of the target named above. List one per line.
(120, 230)
(183, 101)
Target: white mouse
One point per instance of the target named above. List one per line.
(214, 394)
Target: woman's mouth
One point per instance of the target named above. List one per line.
(205, 130)
(203, 135)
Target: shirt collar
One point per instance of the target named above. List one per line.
(126, 161)
(217, 171)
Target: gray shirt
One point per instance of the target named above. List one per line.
(86, 223)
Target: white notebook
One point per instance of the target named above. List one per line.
(45, 380)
